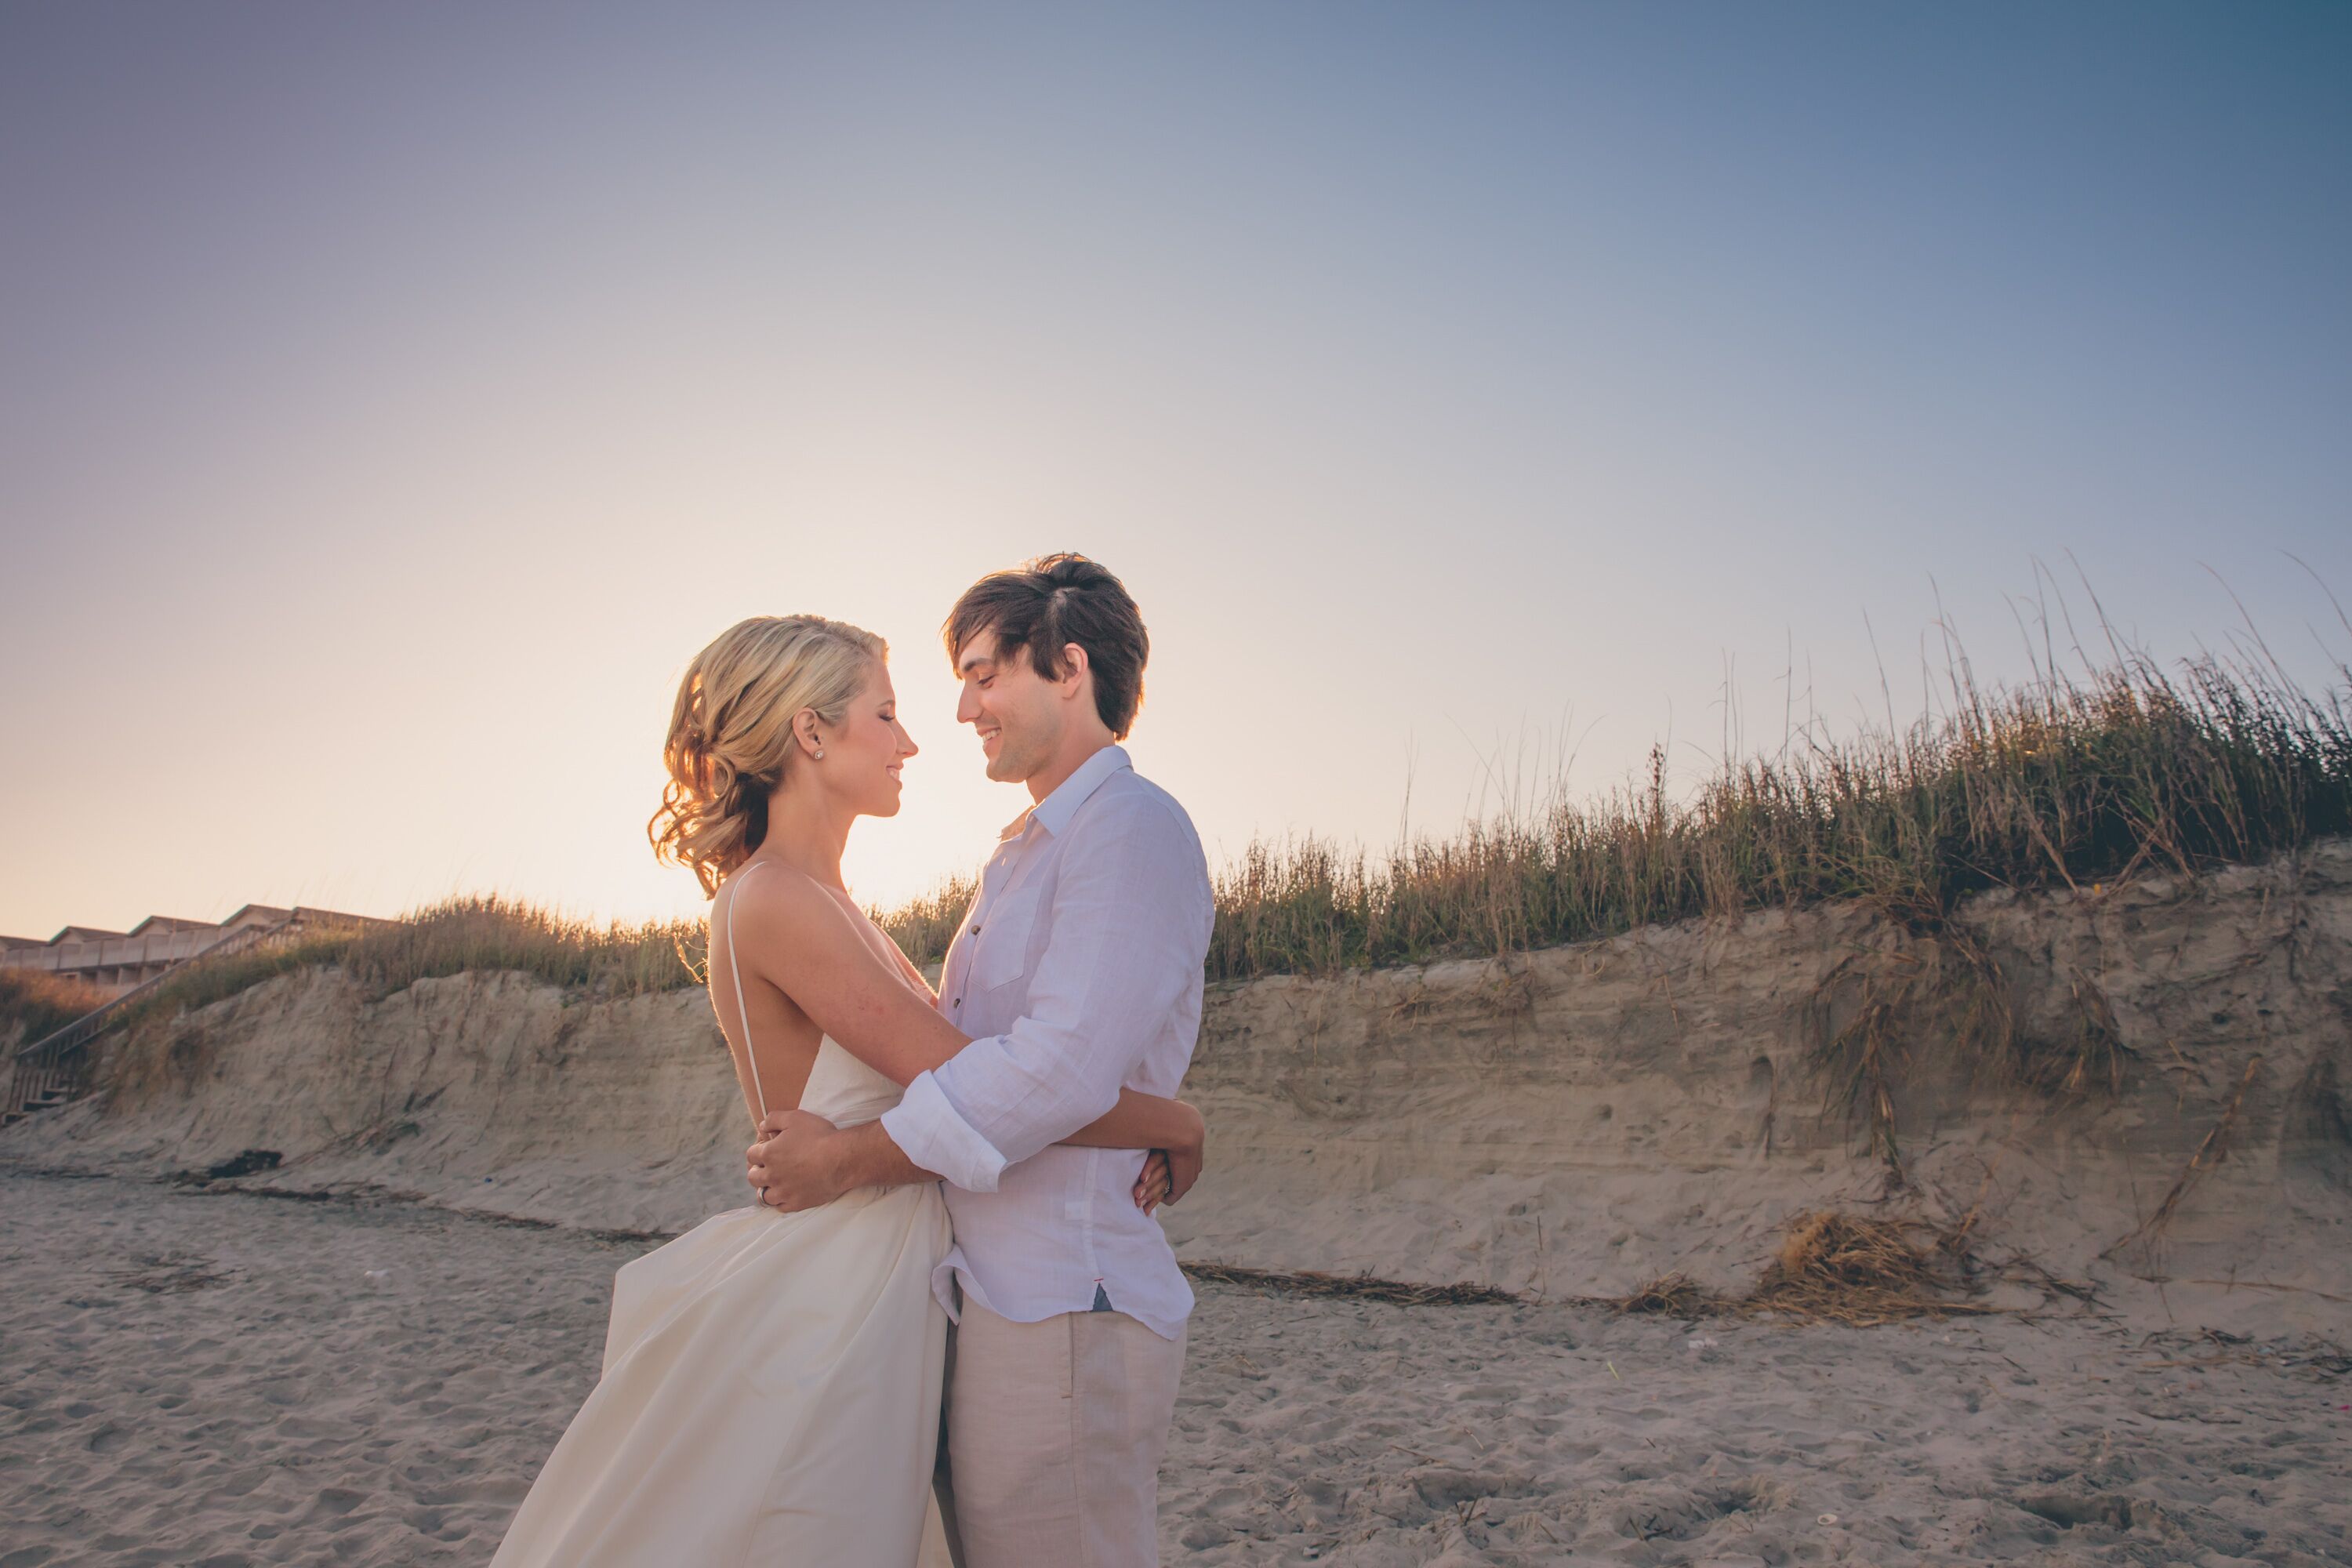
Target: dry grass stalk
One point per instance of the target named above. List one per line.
(34, 1003)
(2212, 1149)
(1507, 991)
(2092, 1061)
(1412, 1006)
(1862, 1058)
(1936, 980)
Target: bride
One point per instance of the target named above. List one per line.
(770, 1385)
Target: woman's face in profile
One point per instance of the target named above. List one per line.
(865, 752)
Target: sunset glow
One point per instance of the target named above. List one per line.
(396, 398)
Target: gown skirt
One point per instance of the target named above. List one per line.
(770, 1396)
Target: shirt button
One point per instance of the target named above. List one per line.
(975, 930)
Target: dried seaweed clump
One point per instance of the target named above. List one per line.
(1858, 1270)
(1362, 1286)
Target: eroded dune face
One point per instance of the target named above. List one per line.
(1585, 1120)
(1574, 1122)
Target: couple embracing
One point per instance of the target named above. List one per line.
(780, 1384)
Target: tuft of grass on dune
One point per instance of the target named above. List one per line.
(2064, 784)
(924, 926)
(491, 932)
(34, 1003)
(207, 981)
(2067, 783)
(474, 933)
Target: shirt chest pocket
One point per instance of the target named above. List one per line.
(999, 953)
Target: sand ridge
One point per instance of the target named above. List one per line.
(1572, 1122)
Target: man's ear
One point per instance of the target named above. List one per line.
(1074, 670)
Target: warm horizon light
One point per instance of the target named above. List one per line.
(395, 400)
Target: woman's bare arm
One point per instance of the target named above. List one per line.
(1142, 1121)
(851, 994)
(915, 977)
(799, 939)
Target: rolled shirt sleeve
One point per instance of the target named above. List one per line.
(1128, 934)
(929, 1130)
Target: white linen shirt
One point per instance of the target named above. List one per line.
(1079, 972)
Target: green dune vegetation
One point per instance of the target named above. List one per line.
(2065, 783)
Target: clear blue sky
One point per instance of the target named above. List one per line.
(392, 398)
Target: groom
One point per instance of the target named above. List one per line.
(1077, 973)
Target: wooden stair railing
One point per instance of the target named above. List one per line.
(52, 1070)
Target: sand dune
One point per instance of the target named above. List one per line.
(1570, 1124)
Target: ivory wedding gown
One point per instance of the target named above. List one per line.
(770, 1390)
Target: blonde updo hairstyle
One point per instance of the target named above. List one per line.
(731, 734)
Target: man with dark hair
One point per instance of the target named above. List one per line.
(1079, 972)
(1056, 602)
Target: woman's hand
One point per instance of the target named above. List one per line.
(1169, 1174)
(1151, 1188)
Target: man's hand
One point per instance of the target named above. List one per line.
(791, 1165)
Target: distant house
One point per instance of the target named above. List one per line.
(115, 960)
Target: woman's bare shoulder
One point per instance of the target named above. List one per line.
(782, 904)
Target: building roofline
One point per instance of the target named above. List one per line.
(173, 922)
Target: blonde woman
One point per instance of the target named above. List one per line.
(771, 1381)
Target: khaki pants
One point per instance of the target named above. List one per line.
(1050, 1453)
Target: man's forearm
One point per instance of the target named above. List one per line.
(864, 1156)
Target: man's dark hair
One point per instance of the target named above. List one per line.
(1049, 604)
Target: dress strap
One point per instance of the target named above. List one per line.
(735, 972)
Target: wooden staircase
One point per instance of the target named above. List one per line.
(54, 1071)
(46, 1099)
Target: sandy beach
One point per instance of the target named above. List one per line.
(1664, 695)
(360, 1347)
(225, 1378)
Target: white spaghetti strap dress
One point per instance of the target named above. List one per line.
(770, 1387)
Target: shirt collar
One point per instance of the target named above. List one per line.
(1054, 813)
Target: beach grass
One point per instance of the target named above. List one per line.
(34, 1003)
(479, 932)
(924, 926)
(493, 933)
(2065, 783)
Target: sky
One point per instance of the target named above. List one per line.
(394, 399)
